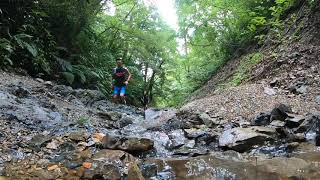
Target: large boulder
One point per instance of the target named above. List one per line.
(113, 155)
(130, 144)
(177, 138)
(262, 119)
(207, 120)
(307, 124)
(101, 170)
(243, 139)
(293, 120)
(280, 112)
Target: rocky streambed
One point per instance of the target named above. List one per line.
(50, 131)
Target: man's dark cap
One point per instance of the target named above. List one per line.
(119, 59)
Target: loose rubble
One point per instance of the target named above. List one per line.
(51, 131)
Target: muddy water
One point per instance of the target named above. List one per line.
(212, 167)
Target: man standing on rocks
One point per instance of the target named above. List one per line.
(120, 79)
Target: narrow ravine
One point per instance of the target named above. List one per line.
(45, 136)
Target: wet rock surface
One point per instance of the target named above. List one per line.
(51, 131)
(243, 139)
(131, 144)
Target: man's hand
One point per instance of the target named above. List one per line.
(126, 82)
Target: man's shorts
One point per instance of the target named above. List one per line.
(119, 90)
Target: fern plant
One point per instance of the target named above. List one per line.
(6, 49)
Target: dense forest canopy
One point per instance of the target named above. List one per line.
(76, 42)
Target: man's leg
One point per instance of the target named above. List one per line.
(122, 94)
(115, 94)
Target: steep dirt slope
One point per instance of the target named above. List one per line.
(289, 69)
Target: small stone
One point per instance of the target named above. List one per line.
(302, 90)
(274, 82)
(127, 143)
(292, 76)
(207, 120)
(318, 100)
(194, 133)
(48, 83)
(90, 143)
(293, 145)
(163, 175)
(177, 138)
(135, 173)
(78, 136)
(314, 69)
(244, 124)
(52, 145)
(190, 144)
(280, 112)
(261, 120)
(300, 137)
(270, 91)
(97, 137)
(72, 164)
(113, 155)
(44, 175)
(39, 80)
(67, 147)
(56, 116)
(111, 115)
(21, 92)
(100, 169)
(43, 162)
(277, 123)
(53, 167)
(87, 165)
(124, 121)
(149, 170)
(264, 130)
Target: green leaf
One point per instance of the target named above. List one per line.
(32, 49)
(69, 77)
(83, 78)
(94, 74)
(64, 64)
(62, 48)
(8, 60)
(22, 36)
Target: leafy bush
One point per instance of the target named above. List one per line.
(246, 64)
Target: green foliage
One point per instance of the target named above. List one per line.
(69, 77)
(246, 64)
(82, 121)
(215, 31)
(6, 49)
(76, 42)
